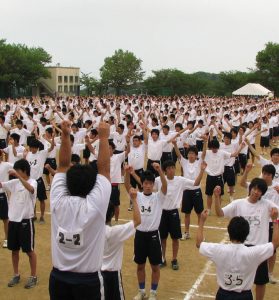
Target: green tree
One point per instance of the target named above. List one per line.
(21, 66)
(267, 63)
(91, 84)
(121, 70)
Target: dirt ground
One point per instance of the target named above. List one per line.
(172, 285)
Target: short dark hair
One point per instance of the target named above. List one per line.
(22, 165)
(110, 213)
(34, 143)
(274, 151)
(193, 149)
(94, 131)
(258, 183)
(178, 125)
(147, 176)
(49, 130)
(228, 135)
(19, 122)
(75, 159)
(238, 229)
(167, 164)
(15, 137)
(80, 180)
(155, 131)
(121, 126)
(166, 127)
(269, 169)
(136, 137)
(214, 144)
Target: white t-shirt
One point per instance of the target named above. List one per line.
(216, 162)
(9, 150)
(114, 242)
(191, 170)
(78, 226)
(119, 141)
(257, 214)
(5, 167)
(231, 148)
(264, 162)
(115, 167)
(22, 202)
(4, 131)
(151, 210)
(155, 149)
(95, 146)
(23, 133)
(37, 162)
(176, 187)
(136, 156)
(236, 264)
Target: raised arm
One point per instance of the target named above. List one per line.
(177, 152)
(24, 182)
(275, 234)
(136, 213)
(65, 148)
(217, 196)
(104, 156)
(199, 237)
(199, 178)
(243, 181)
(164, 187)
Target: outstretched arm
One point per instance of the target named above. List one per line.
(136, 212)
(65, 148)
(217, 195)
(164, 187)
(199, 237)
(104, 156)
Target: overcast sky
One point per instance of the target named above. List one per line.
(190, 35)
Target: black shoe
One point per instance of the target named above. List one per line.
(174, 265)
(163, 264)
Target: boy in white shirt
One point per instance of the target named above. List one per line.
(236, 264)
(113, 251)
(21, 231)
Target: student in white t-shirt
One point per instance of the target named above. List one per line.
(113, 251)
(21, 231)
(257, 212)
(236, 264)
(170, 220)
(14, 150)
(79, 199)
(147, 242)
(5, 167)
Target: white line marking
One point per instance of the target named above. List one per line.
(204, 296)
(199, 280)
(183, 225)
(210, 274)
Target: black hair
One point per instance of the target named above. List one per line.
(166, 127)
(147, 176)
(34, 143)
(234, 130)
(2, 117)
(75, 159)
(193, 149)
(80, 180)
(269, 169)
(214, 144)
(274, 151)
(258, 183)
(121, 126)
(15, 137)
(110, 213)
(43, 119)
(74, 125)
(200, 122)
(49, 130)
(136, 137)
(94, 131)
(179, 125)
(111, 143)
(228, 135)
(19, 122)
(155, 131)
(167, 164)
(238, 229)
(22, 165)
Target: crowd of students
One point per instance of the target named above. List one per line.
(101, 143)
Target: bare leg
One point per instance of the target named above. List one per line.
(15, 261)
(33, 262)
(209, 202)
(42, 208)
(187, 223)
(141, 273)
(155, 277)
(175, 247)
(5, 223)
(260, 291)
(116, 213)
(164, 246)
(271, 263)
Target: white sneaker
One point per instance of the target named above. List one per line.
(152, 295)
(272, 279)
(140, 296)
(5, 244)
(185, 236)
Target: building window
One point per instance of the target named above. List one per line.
(71, 79)
(76, 79)
(60, 90)
(65, 79)
(65, 89)
(71, 88)
(60, 79)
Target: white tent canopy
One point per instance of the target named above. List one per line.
(252, 89)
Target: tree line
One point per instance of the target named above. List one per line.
(122, 73)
